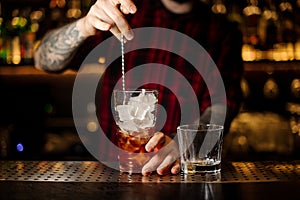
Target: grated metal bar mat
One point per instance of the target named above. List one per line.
(92, 171)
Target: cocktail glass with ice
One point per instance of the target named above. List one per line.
(135, 116)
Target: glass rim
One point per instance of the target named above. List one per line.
(195, 127)
(137, 90)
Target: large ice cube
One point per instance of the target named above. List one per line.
(139, 110)
(147, 122)
(124, 112)
(128, 125)
(146, 98)
(138, 114)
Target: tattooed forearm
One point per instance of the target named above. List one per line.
(57, 48)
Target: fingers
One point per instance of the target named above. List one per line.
(98, 23)
(166, 158)
(165, 166)
(163, 163)
(124, 10)
(109, 15)
(171, 161)
(120, 25)
(176, 167)
(128, 6)
(153, 163)
(155, 142)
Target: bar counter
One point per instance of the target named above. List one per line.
(94, 180)
(25, 179)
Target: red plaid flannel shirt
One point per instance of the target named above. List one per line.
(221, 39)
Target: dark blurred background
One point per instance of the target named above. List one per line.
(36, 107)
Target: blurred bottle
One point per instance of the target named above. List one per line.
(252, 41)
(287, 19)
(287, 31)
(252, 14)
(297, 28)
(15, 25)
(269, 25)
(57, 14)
(74, 10)
(2, 41)
(18, 29)
(234, 15)
(219, 7)
(29, 37)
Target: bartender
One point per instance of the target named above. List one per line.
(67, 46)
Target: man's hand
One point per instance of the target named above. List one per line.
(107, 15)
(166, 159)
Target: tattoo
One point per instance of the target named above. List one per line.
(58, 47)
